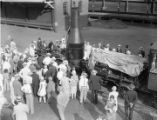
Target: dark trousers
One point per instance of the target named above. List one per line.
(95, 96)
(129, 112)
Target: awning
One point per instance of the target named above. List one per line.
(24, 1)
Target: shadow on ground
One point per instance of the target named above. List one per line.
(53, 105)
(145, 116)
(77, 117)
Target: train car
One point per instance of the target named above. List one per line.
(152, 79)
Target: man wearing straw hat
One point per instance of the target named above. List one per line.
(130, 101)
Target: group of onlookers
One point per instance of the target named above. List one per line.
(107, 47)
(43, 72)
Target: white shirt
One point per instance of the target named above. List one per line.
(128, 52)
(6, 65)
(21, 111)
(47, 60)
(60, 75)
(32, 51)
(55, 64)
(62, 67)
(107, 49)
(87, 52)
(83, 82)
(25, 72)
(115, 94)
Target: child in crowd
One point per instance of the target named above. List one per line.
(20, 109)
(83, 86)
(50, 88)
(42, 90)
(115, 94)
(73, 84)
(111, 109)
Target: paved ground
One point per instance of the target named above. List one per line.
(89, 111)
(135, 36)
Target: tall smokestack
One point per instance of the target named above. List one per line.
(75, 41)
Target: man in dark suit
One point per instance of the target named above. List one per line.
(35, 83)
(95, 85)
(130, 101)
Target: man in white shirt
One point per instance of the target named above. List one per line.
(47, 59)
(6, 65)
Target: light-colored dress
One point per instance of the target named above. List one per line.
(111, 115)
(64, 94)
(42, 88)
(73, 84)
(115, 94)
(20, 111)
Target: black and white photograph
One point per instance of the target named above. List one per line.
(78, 60)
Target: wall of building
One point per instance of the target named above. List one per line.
(27, 14)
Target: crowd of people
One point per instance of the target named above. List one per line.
(42, 71)
(119, 49)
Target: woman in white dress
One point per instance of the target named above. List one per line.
(63, 96)
(115, 94)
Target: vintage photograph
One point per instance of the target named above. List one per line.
(78, 60)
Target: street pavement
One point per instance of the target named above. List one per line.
(89, 111)
(135, 36)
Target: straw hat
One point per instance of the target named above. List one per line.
(18, 98)
(84, 74)
(48, 54)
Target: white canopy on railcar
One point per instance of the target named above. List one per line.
(129, 64)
